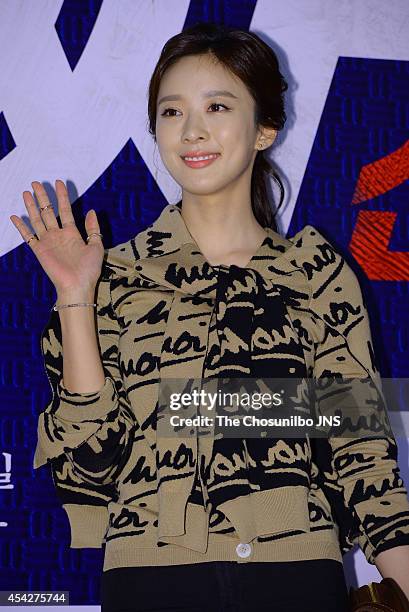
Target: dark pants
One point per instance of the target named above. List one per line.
(227, 586)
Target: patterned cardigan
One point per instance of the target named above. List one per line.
(146, 500)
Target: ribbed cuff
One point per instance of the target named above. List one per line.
(79, 407)
(402, 539)
(384, 523)
(78, 416)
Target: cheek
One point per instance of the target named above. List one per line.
(165, 136)
(237, 137)
(166, 146)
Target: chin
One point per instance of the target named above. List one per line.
(202, 188)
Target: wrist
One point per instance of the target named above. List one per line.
(71, 296)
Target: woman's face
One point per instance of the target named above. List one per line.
(197, 121)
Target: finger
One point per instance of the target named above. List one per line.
(25, 232)
(34, 214)
(64, 205)
(47, 214)
(92, 227)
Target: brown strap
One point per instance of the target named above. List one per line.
(386, 595)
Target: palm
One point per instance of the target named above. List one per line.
(67, 260)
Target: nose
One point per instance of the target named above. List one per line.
(194, 130)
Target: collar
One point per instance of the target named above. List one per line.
(168, 242)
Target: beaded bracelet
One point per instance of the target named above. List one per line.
(55, 307)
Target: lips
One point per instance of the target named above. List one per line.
(201, 163)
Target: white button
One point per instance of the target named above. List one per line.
(243, 550)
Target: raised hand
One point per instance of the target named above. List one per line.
(69, 262)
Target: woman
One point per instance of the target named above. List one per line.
(210, 289)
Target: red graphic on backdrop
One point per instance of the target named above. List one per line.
(382, 175)
(369, 245)
(373, 230)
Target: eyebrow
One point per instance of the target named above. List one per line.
(207, 94)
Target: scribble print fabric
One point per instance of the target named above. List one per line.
(163, 311)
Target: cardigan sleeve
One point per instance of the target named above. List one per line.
(375, 496)
(92, 430)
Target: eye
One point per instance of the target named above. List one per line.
(219, 104)
(164, 113)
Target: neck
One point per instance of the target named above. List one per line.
(224, 233)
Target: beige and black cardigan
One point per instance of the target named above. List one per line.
(162, 312)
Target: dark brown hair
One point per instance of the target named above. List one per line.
(255, 63)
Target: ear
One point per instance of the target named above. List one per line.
(266, 138)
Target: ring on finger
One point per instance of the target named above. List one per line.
(45, 208)
(31, 238)
(93, 234)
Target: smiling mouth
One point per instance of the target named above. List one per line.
(200, 161)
